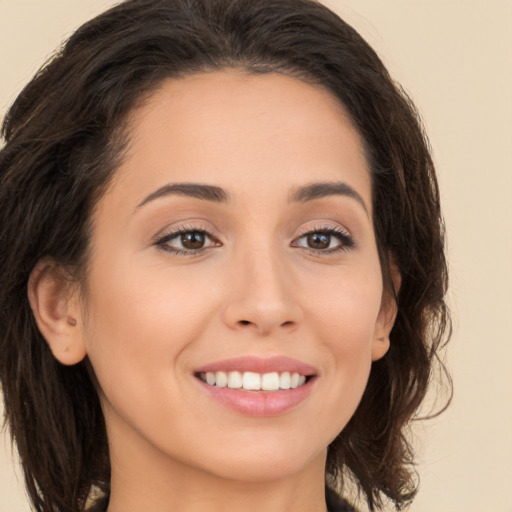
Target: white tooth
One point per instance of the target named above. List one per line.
(294, 381)
(210, 378)
(234, 380)
(270, 381)
(285, 380)
(302, 380)
(251, 380)
(221, 379)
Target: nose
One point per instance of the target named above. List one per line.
(263, 296)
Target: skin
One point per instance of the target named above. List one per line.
(152, 316)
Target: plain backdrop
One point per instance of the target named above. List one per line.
(454, 57)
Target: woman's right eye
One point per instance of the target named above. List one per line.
(186, 241)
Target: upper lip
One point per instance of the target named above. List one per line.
(259, 365)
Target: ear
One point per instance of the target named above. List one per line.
(387, 316)
(54, 302)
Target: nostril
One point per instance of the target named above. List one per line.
(245, 322)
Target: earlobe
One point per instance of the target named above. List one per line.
(385, 322)
(55, 308)
(380, 347)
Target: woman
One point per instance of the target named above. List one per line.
(222, 268)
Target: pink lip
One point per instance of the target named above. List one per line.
(259, 365)
(259, 403)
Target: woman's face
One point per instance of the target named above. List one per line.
(235, 247)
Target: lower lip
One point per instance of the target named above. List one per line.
(259, 403)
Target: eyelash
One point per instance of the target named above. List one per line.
(346, 241)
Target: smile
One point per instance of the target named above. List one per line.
(258, 386)
(252, 381)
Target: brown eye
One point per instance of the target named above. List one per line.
(318, 240)
(325, 240)
(187, 241)
(193, 240)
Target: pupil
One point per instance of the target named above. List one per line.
(319, 240)
(193, 240)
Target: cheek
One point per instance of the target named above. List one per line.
(344, 317)
(140, 302)
(139, 325)
(139, 331)
(145, 320)
(347, 306)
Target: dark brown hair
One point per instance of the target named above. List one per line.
(64, 137)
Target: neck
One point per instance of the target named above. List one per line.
(201, 495)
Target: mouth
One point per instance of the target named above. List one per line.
(256, 386)
(253, 381)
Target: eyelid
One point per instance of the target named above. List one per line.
(185, 225)
(323, 227)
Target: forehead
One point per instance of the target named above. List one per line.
(232, 128)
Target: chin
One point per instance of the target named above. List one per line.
(266, 462)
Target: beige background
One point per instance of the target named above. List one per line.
(455, 59)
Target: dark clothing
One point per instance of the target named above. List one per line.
(336, 503)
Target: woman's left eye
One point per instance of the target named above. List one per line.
(325, 240)
(186, 241)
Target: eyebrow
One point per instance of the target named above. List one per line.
(326, 189)
(219, 195)
(199, 191)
